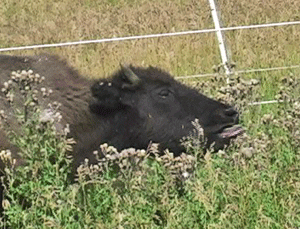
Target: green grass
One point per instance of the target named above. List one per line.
(226, 190)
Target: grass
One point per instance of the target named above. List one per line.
(227, 190)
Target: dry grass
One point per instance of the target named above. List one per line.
(31, 23)
(35, 22)
(250, 12)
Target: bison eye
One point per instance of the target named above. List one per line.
(164, 93)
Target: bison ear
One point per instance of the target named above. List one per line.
(105, 98)
(132, 80)
(111, 96)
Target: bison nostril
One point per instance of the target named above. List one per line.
(231, 112)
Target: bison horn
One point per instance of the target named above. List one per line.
(131, 76)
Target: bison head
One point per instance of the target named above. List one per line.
(143, 105)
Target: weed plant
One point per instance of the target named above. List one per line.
(254, 183)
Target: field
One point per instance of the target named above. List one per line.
(254, 183)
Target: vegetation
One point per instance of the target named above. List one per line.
(254, 183)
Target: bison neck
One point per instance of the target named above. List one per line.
(121, 130)
(127, 129)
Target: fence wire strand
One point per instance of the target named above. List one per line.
(240, 72)
(114, 39)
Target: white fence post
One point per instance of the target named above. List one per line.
(220, 37)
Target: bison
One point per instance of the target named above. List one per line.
(133, 107)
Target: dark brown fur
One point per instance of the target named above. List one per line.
(69, 88)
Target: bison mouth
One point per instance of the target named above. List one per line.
(232, 131)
